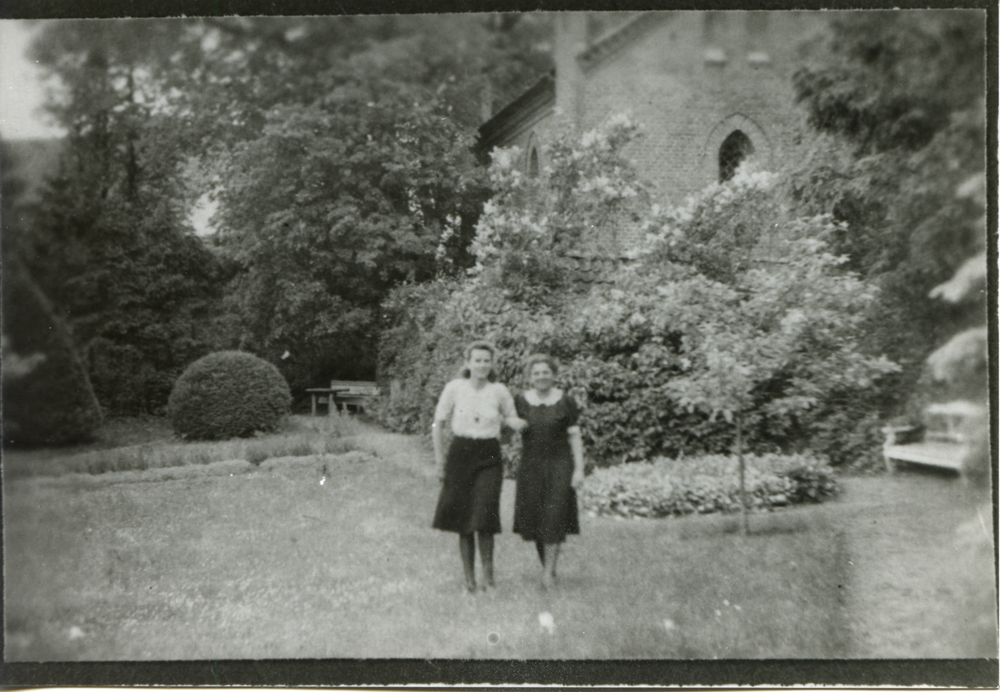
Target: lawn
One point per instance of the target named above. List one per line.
(331, 556)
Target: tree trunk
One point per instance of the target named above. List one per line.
(743, 475)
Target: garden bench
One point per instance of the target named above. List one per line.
(343, 393)
(942, 442)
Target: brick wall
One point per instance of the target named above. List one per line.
(690, 79)
(673, 81)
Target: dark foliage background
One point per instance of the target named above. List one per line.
(337, 152)
(47, 397)
(336, 149)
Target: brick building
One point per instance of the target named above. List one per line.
(710, 89)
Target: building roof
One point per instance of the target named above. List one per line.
(618, 37)
(539, 98)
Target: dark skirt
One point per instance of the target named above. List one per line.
(470, 495)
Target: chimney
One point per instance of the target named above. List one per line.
(571, 40)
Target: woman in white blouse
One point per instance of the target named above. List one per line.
(472, 473)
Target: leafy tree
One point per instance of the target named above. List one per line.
(359, 178)
(223, 95)
(337, 201)
(897, 100)
(47, 398)
(159, 111)
(111, 245)
(776, 338)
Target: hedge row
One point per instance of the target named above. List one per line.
(705, 484)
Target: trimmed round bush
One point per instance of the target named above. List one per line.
(228, 394)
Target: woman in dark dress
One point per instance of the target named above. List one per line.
(472, 473)
(551, 465)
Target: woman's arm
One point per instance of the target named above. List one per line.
(437, 435)
(576, 446)
(516, 424)
(443, 411)
(509, 412)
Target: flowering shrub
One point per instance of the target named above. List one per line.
(705, 484)
(732, 311)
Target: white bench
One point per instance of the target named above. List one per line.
(944, 443)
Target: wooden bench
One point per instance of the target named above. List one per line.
(356, 394)
(942, 442)
(343, 393)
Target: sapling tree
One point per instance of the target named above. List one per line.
(776, 337)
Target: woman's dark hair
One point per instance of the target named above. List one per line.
(537, 358)
(480, 346)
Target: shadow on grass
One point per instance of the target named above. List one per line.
(765, 524)
(777, 591)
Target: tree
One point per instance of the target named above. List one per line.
(897, 101)
(757, 322)
(337, 201)
(47, 397)
(162, 112)
(111, 245)
(358, 179)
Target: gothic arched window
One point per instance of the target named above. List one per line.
(734, 150)
(533, 163)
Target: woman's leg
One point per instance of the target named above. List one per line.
(467, 549)
(551, 556)
(486, 556)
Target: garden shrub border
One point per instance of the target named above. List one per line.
(706, 484)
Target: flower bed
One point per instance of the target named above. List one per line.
(705, 484)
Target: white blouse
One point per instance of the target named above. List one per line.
(476, 413)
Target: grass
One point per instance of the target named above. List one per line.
(333, 557)
(158, 448)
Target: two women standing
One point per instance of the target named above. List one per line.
(472, 472)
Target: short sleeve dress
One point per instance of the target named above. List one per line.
(545, 505)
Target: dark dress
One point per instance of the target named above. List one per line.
(545, 505)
